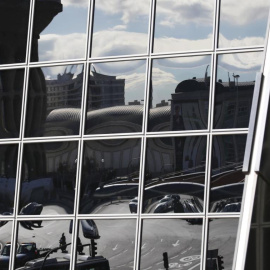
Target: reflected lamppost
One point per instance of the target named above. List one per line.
(236, 77)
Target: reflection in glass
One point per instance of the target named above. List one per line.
(110, 176)
(227, 178)
(179, 94)
(235, 83)
(179, 239)
(59, 30)
(221, 242)
(8, 168)
(48, 178)
(115, 97)
(120, 29)
(11, 90)
(114, 240)
(242, 23)
(183, 25)
(54, 101)
(14, 17)
(175, 175)
(38, 238)
(5, 243)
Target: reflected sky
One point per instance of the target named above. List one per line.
(120, 28)
(183, 25)
(64, 37)
(242, 23)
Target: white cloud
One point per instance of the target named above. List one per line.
(161, 77)
(119, 27)
(75, 3)
(241, 42)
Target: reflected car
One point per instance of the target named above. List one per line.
(133, 205)
(232, 207)
(3, 222)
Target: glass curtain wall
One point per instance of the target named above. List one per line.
(123, 131)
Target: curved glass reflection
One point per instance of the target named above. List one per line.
(54, 101)
(5, 243)
(242, 23)
(120, 29)
(8, 161)
(227, 178)
(110, 176)
(47, 242)
(179, 93)
(59, 30)
(177, 238)
(183, 25)
(175, 175)
(11, 91)
(221, 243)
(235, 83)
(14, 19)
(114, 241)
(115, 97)
(48, 178)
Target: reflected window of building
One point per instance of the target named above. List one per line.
(14, 21)
(59, 30)
(176, 237)
(227, 178)
(48, 178)
(242, 23)
(111, 241)
(120, 29)
(110, 176)
(235, 83)
(54, 101)
(179, 94)
(11, 91)
(115, 99)
(174, 176)
(183, 26)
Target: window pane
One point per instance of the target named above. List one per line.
(175, 175)
(120, 28)
(14, 19)
(183, 25)
(115, 97)
(227, 178)
(181, 241)
(11, 90)
(59, 31)
(48, 178)
(242, 23)
(54, 101)
(236, 75)
(5, 240)
(179, 94)
(110, 176)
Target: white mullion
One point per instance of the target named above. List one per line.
(13, 241)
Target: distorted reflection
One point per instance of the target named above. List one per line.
(8, 168)
(242, 23)
(48, 178)
(183, 25)
(235, 83)
(177, 238)
(120, 29)
(11, 90)
(59, 30)
(106, 244)
(5, 243)
(227, 178)
(179, 94)
(115, 97)
(54, 101)
(221, 243)
(175, 175)
(52, 238)
(14, 18)
(110, 176)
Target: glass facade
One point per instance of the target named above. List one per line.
(123, 131)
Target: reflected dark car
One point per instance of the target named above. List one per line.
(133, 205)
(232, 207)
(4, 257)
(32, 208)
